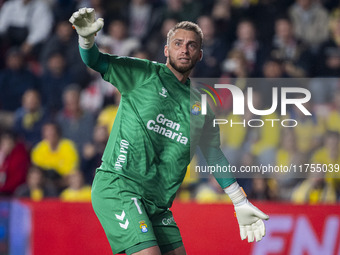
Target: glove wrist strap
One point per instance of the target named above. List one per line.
(86, 43)
(236, 194)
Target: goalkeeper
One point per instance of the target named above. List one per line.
(148, 151)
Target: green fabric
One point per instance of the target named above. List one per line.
(154, 130)
(94, 59)
(165, 228)
(214, 156)
(127, 218)
(118, 214)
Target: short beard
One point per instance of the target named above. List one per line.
(181, 70)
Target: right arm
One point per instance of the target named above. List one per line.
(123, 72)
(94, 59)
(83, 21)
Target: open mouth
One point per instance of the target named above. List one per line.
(184, 60)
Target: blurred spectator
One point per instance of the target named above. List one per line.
(54, 80)
(14, 163)
(234, 71)
(235, 65)
(76, 124)
(243, 3)
(265, 13)
(118, 40)
(287, 154)
(233, 139)
(310, 130)
(56, 155)
(272, 70)
(333, 118)
(15, 79)
(262, 141)
(77, 190)
(273, 73)
(329, 154)
(35, 187)
(244, 8)
(141, 54)
(191, 180)
(210, 192)
(140, 16)
(310, 20)
(92, 152)
(260, 189)
(238, 137)
(180, 10)
(213, 48)
(25, 23)
(30, 118)
(97, 94)
(314, 190)
(221, 13)
(66, 41)
(323, 89)
(159, 39)
(247, 160)
(253, 50)
(63, 9)
(295, 57)
(107, 116)
(329, 56)
(330, 4)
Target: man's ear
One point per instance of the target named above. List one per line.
(201, 55)
(166, 51)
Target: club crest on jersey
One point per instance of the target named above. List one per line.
(196, 108)
(143, 226)
(163, 93)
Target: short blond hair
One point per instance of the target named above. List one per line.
(186, 25)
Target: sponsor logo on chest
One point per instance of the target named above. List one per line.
(167, 128)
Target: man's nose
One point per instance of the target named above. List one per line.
(184, 48)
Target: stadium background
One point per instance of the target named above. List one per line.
(48, 97)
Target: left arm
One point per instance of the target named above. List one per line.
(249, 217)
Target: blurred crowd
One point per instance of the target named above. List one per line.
(56, 114)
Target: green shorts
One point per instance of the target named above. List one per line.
(131, 223)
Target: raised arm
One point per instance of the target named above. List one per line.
(84, 22)
(123, 72)
(94, 59)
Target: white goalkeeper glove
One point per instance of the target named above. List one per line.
(249, 217)
(84, 23)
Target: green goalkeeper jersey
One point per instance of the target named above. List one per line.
(152, 137)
